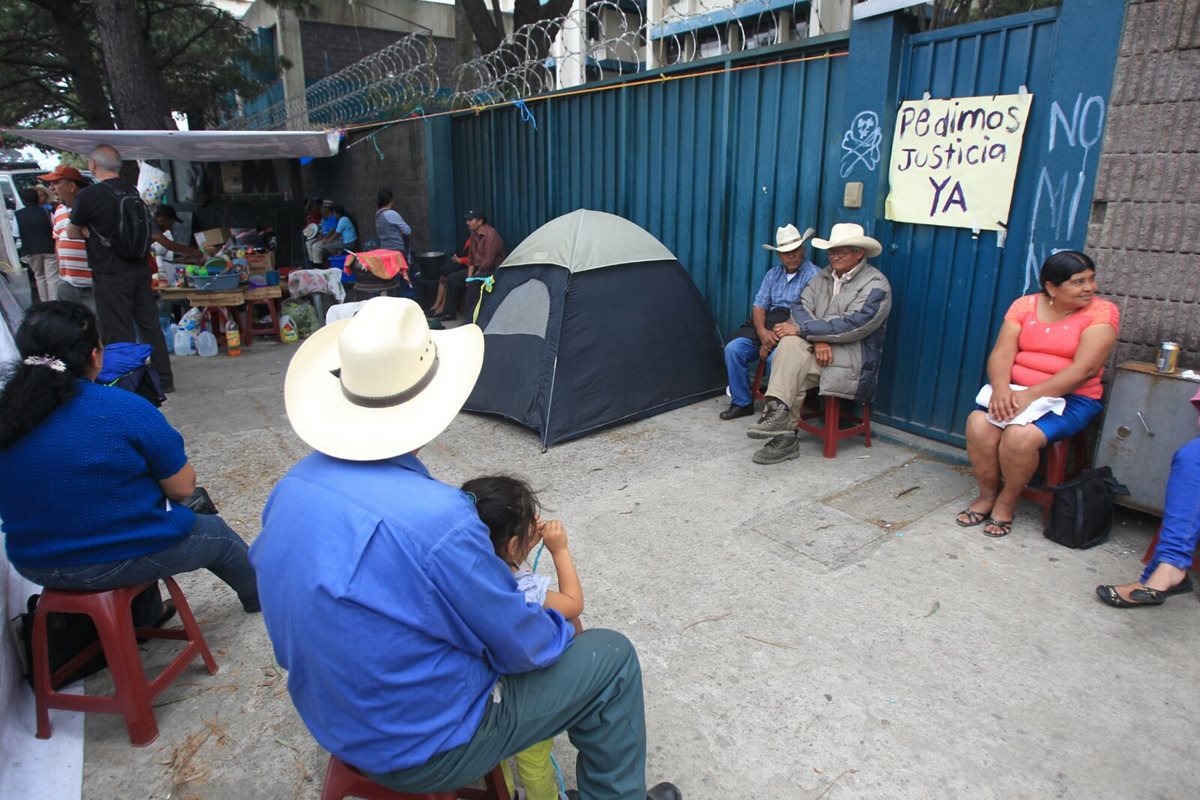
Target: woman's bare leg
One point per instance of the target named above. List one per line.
(1020, 448)
(983, 448)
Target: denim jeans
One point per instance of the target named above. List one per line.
(1181, 511)
(594, 693)
(211, 544)
(740, 353)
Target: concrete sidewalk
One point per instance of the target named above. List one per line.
(814, 629)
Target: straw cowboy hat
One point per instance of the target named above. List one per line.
(788, 238)
(849, 234)
(380, 384)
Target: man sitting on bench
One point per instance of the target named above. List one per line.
(833, 340)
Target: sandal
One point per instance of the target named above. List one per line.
(1003, 528)
(973, 518)
(1143, 595)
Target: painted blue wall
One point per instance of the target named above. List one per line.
(710, 165)
(712, 156)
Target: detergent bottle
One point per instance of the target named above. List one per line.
(288, 333)
(233, 338)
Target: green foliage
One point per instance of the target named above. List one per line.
(204, 55)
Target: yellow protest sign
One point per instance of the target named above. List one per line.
(954, 161)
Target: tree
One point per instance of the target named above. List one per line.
(489, 26)
(135, 81)
(173, 55)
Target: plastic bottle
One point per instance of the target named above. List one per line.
(233, 338)
(206, 344)
(288, 334)
(185, 342)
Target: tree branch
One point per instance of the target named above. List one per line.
(166, 60)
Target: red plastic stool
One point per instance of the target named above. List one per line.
(343, 780)
(756, 390)
(831, 431)
(1055, 471)
(251, 326)
(110, 612)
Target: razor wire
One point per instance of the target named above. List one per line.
(606, 38)
(396, 79)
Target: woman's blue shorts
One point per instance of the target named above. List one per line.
(1079, 412)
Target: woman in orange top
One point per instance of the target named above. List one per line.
(1052, 344)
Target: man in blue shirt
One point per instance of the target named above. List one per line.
(411, 654)
(779, 292)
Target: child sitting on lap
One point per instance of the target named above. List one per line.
(510, 509)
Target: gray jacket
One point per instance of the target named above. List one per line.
(853, 324)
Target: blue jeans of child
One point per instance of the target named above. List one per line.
(211, 544)
(1181, 511)
(740, 353)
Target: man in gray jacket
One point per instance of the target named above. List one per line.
(834, 339)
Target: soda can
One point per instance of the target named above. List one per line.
(1168, 357)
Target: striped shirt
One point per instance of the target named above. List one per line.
(72, 253)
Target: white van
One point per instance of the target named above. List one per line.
(13, 180)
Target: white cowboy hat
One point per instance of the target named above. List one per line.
(788, 238)
(849, 234)
(380, 384)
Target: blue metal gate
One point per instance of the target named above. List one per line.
(951, 288)
(709, 158)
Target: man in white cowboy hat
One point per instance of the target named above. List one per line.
(411, 654)
(777, 294)
(834, 340)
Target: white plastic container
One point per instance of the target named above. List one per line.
(206, 344)
(185, 343)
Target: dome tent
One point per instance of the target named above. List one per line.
(593, 322)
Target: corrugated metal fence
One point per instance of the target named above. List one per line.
(710, 164)
(952, 288)
(712, 157)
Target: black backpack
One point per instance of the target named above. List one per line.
(1082, 513)
(131, 240)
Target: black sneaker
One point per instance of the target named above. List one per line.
(783, 447)
(735, 411)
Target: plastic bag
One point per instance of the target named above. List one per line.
(303, 314)
(152, 183)
(190, 321)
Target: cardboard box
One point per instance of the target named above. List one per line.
(212, 239)
(260, 262)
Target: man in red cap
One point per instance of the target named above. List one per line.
(73, 270)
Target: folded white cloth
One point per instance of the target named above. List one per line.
(309, 281)
(1035, 410)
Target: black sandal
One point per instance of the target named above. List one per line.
(1143, 595)
(1004, 526)
(973, 518)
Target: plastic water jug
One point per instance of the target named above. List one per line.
(288, 333)
(185, 343)
(206, 344)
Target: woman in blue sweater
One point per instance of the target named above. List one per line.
(94, 475)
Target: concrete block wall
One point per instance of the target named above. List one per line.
(355, 175)
(1144, 230)
(328, 48)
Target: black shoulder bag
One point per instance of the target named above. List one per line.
(1082, 512)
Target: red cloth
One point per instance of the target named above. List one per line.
(383, 264)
